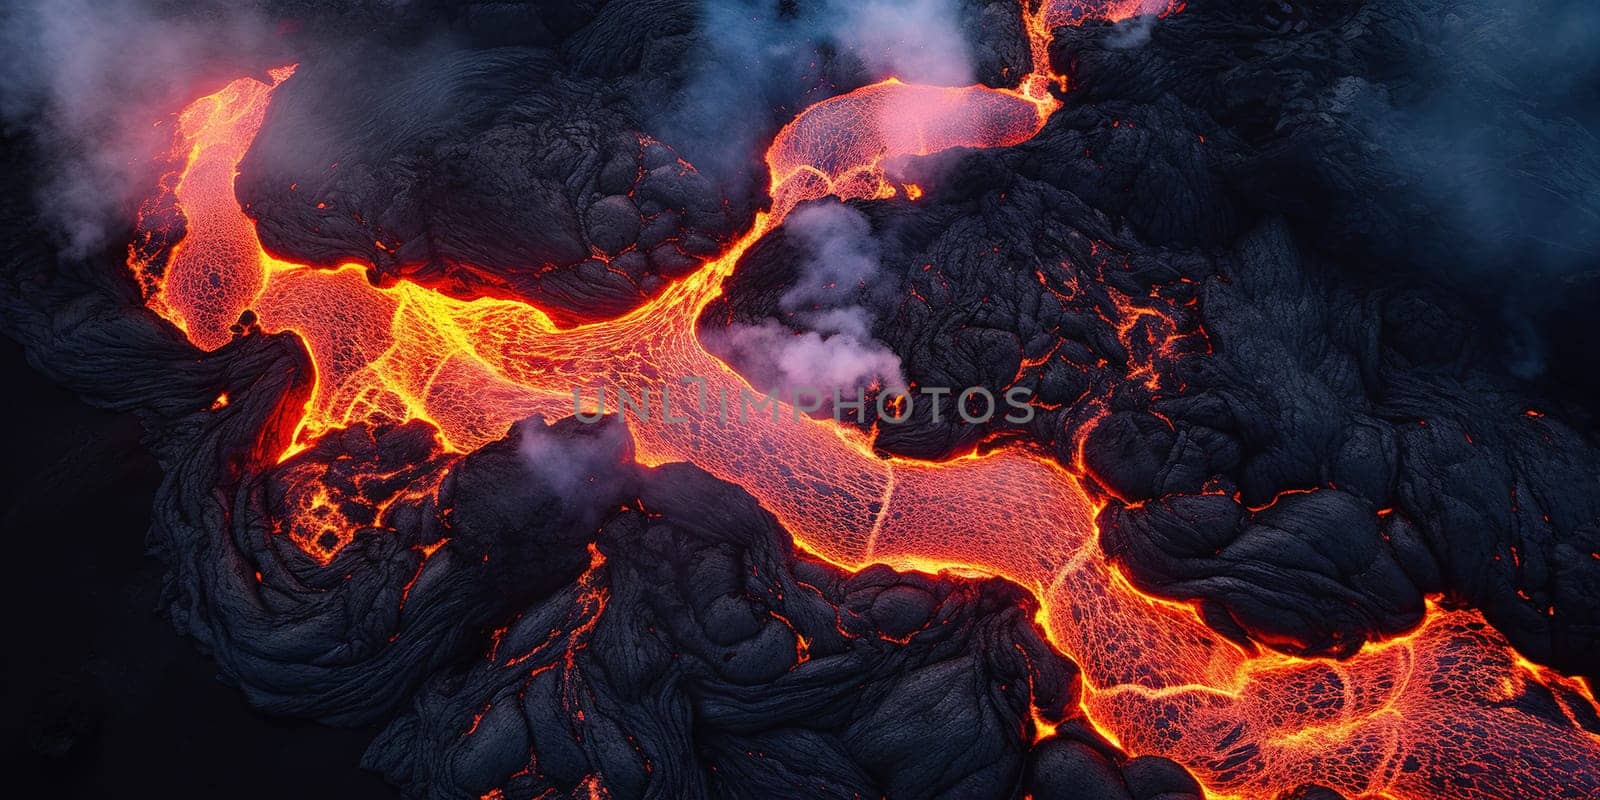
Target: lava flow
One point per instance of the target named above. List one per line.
(1434, 714)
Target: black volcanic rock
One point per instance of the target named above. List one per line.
(1308, 574)
(1073, 765)
(481, 173)
(1451, 141)
(999, 280)
(1304, 447)
(699, 656)
(580, 164)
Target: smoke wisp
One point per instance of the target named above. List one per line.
(92, 82)
(834, 349)
(761, 56)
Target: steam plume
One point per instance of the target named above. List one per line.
(836, 349)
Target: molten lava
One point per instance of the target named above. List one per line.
(839, 146)
(1430, 716)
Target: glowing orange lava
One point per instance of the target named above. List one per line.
(1418, 717)
(839, 146)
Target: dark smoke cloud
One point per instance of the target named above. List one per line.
(1494, 131)
(90, 79)
(1499, 133)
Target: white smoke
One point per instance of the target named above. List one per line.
(810, 360)
(756, 50)
(841, 255)
(918, 41)
(579, 462)
(90, 79)
(1131, 33)
(835, 350)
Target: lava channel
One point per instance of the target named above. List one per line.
(1427, 716)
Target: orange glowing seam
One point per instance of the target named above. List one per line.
(1402, 719)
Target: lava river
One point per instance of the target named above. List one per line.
(1428, 715)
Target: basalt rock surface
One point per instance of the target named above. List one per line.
(700, 656)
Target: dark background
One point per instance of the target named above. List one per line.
(102, 697)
